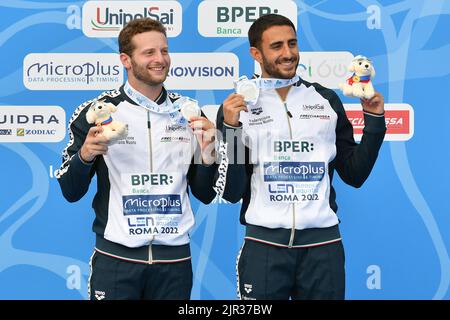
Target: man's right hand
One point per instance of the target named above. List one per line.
(94, 145)
(232, 106)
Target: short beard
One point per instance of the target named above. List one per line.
(142, 75)
(272, 71)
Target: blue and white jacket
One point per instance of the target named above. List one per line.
(142, 207)
(282, 159)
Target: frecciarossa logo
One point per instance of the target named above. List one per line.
(399, 118)
(106, 18)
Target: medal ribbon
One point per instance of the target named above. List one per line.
(266, 83)
(166, 108)
(272, 83)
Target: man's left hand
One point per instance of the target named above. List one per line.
(374, 104)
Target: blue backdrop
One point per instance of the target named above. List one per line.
(395, 228)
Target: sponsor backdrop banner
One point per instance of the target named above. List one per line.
(57, 54)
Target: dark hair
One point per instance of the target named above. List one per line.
(135, 27)
(262, 24)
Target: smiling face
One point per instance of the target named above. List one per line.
(149, 62)
(278, 52)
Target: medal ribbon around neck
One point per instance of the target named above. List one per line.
(251, 87)
(173, 109)
(272, 83)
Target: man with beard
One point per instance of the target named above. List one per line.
(142, 210)
(283, 138)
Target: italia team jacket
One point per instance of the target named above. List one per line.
(281, 162)
(142, 182)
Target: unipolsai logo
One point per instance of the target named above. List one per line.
(233, 18)
(72, 71)
(313, 107)
(105, 19)
(174, 128)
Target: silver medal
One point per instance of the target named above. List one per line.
(189, 108)
(248, 89)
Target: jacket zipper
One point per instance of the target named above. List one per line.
(289, 115)
(149, 125)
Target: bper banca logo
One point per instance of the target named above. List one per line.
(233, 19)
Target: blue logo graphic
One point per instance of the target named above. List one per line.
(293, 171)
(151, 204)
(86, 70)
(202, 71)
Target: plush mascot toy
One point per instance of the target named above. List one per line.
(100, 114)
(360, 83)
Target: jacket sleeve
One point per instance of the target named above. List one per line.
(74, 175)
(201, 177)
(234, 170)
(353, 161)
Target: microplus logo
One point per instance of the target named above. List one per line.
(72, 71)
(233, 18)
(294, 171)
(105, 19)
(202, 71)
(151, 204)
